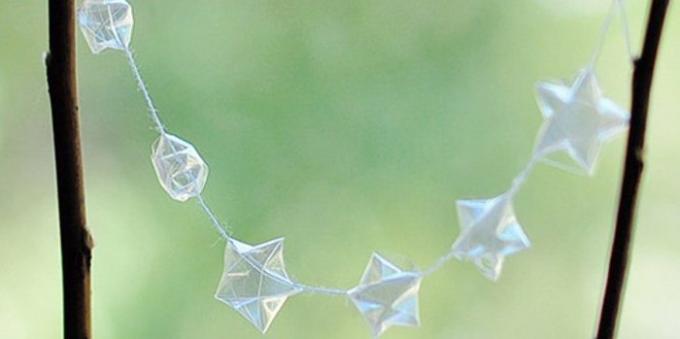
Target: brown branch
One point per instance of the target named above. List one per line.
(76, 243)
(634, 163)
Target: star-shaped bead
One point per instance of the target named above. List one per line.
(179, 167)
(489, 232)
(387, 296)
(255, 282)
(106, 24)
(578, 119)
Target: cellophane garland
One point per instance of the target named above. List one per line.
(577, 120)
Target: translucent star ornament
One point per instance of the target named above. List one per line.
(578, 119)
(180, 169)
(255, 282)
(489, 233)
(106, 24)
(387, 296)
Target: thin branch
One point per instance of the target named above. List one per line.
(76, 243)
(634, 163)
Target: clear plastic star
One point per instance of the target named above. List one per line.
(489, 232)
(387, 296)
(106, 24)
(179, 168)
(578, 119)
(255, 282)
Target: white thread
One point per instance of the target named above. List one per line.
(439, 264)
(616, 4)
(521, 178)
(603, 34)
(221, 229)
(320, 290)
(626, 29)
(142, 87)
(138, 76)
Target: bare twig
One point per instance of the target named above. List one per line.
(641, 88)
(76, 243)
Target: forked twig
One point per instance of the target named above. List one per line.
(641, 87)
(76, 243)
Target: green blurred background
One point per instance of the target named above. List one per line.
(346, 126)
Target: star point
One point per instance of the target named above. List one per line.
(489, 232)
(387, 296)
(578, 119)
(255, 282)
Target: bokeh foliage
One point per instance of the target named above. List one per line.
(346, 126)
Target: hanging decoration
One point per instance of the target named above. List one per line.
(578, 119)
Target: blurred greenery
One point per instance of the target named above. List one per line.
(346, 126)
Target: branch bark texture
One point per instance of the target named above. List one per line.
(76, 242)
(641, 87)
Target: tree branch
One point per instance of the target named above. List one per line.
(76, 243)
(634, 163)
